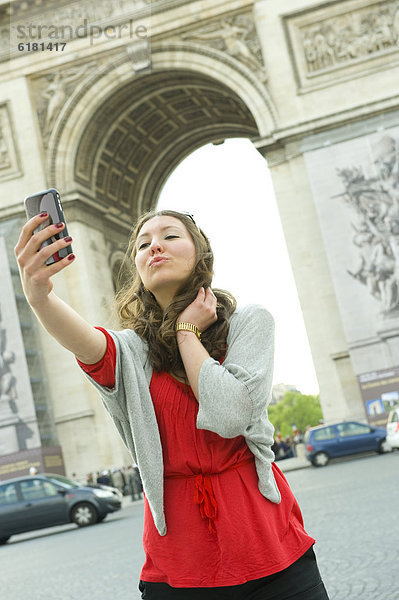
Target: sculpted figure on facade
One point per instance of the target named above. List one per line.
(236, 36)
(5, 160)
(375, 200)
(8, 390)
(53, 91)
(340, 40)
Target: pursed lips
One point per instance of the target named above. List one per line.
(158, 260)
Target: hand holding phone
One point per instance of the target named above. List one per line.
(43, 249)
(49, 201)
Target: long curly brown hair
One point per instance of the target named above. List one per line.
(139, 310)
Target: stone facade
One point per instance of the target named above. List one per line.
(129, 88)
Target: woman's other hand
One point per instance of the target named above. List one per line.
(202, 311)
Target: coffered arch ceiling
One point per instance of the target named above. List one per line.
(146, 128)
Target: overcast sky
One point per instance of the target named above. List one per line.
(229, 191)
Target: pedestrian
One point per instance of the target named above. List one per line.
(187, 383)
(117, 479)
(135, 483)
(104, 478)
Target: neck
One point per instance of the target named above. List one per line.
(164, 299)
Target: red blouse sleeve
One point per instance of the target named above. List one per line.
(103, 372)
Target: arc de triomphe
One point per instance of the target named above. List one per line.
(123, 93)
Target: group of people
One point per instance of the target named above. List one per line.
(284, 447)
(126, 479)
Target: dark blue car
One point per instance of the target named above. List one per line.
(341, 439)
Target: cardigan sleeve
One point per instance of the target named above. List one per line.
(128, 373)
(232, 396)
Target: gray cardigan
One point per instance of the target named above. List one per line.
(232, 401)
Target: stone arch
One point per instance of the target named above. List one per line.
(116, 262)
(219, 98)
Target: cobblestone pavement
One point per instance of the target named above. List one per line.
(350, 507)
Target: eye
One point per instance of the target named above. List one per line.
(143, 245)
(171, 236)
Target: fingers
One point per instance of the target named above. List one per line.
(209, 302)
(39, 237)
(31, 256)
(27, 231)
(210, 296)
(41, 274)
(205, 293)
(28, 248)
(44, 254)
(59, 265)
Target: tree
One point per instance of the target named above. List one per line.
(295, 408)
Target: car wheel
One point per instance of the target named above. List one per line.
(4, 540)
(321, 459)
(84, 514)
(384, 447)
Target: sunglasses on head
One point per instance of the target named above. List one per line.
(190, 216)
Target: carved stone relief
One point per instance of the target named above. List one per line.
(8, 387)
(341, 38)
(51, 91)
(374, 199)
(9, 163)
(18, 422)
(237, 37)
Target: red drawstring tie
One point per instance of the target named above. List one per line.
(205, 498)
(203, 492)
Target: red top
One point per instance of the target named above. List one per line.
(221, 531)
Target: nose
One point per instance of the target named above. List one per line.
(155, 247)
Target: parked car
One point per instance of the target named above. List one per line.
(342, 439)
(34, 502)
(393, 428)
(110, 488)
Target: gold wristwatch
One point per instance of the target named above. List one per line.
(188, 327)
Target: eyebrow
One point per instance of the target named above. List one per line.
(162, 229)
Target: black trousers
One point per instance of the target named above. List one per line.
(300, 581)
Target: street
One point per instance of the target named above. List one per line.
(350, 507)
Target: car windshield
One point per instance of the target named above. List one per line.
(64, 481)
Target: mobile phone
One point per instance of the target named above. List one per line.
(49, 201)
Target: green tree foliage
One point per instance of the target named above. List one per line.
(295, 408)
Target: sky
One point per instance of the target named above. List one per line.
(228, 189)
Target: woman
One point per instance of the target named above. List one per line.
(187, 383)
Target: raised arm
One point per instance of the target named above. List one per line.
(60, 320)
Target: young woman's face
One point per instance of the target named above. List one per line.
(165, 255)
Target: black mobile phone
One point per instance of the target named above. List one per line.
(49, 201)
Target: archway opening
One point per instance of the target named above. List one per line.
(138, 136)
(228, 189)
